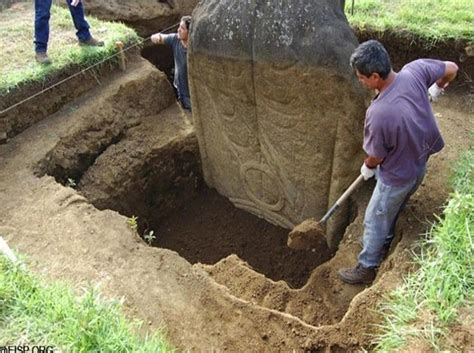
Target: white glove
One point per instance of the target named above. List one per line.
(366, 172)
(75, 2)
(434, 92)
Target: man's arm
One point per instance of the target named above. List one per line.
(437, 88)
(158, 38)
(368, 167)
(372, 161)
(450, 73)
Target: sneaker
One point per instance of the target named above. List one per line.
(356, 275)
(42, 58)
(91, 42)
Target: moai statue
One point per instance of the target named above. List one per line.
(277, 109)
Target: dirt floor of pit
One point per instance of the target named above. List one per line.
(209, 228)
(226, 306)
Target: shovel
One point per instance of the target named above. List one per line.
(311, 232)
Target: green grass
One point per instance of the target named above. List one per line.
(432, 20)
(16, 44)
(32, 313)
(427, 306)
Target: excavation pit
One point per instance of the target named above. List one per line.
(140, 157)
(131, 149)
(168, 196)
(125, 146)
(209, 228)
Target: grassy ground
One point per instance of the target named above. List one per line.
(433, 20)
(35, 314)
(437, 300)
(16, 44)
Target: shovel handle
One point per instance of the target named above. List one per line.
(342, 198)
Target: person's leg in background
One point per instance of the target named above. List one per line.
(185, 102)
(78, 17)
(42, 16)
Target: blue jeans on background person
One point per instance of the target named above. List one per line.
(42, 15)
(381, 216)
(185, 102)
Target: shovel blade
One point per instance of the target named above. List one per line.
(306, 235)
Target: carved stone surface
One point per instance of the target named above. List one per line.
(278, 113)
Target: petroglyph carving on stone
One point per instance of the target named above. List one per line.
(278, 113)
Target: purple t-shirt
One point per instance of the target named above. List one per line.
(400, 126)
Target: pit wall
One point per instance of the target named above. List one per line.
(153, 181)
(36, 109)
(130, 148)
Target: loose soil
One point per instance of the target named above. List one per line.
(217, 277)
(209, 228)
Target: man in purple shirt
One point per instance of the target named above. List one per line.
(400, 134)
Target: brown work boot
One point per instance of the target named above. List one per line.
(91, 42)
(358, 274)
(42, 58)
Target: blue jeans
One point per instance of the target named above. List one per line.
(185, 102)
(381, 216)
(42, 15)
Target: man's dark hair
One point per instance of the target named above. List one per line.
(187, 21)
(370, 57)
